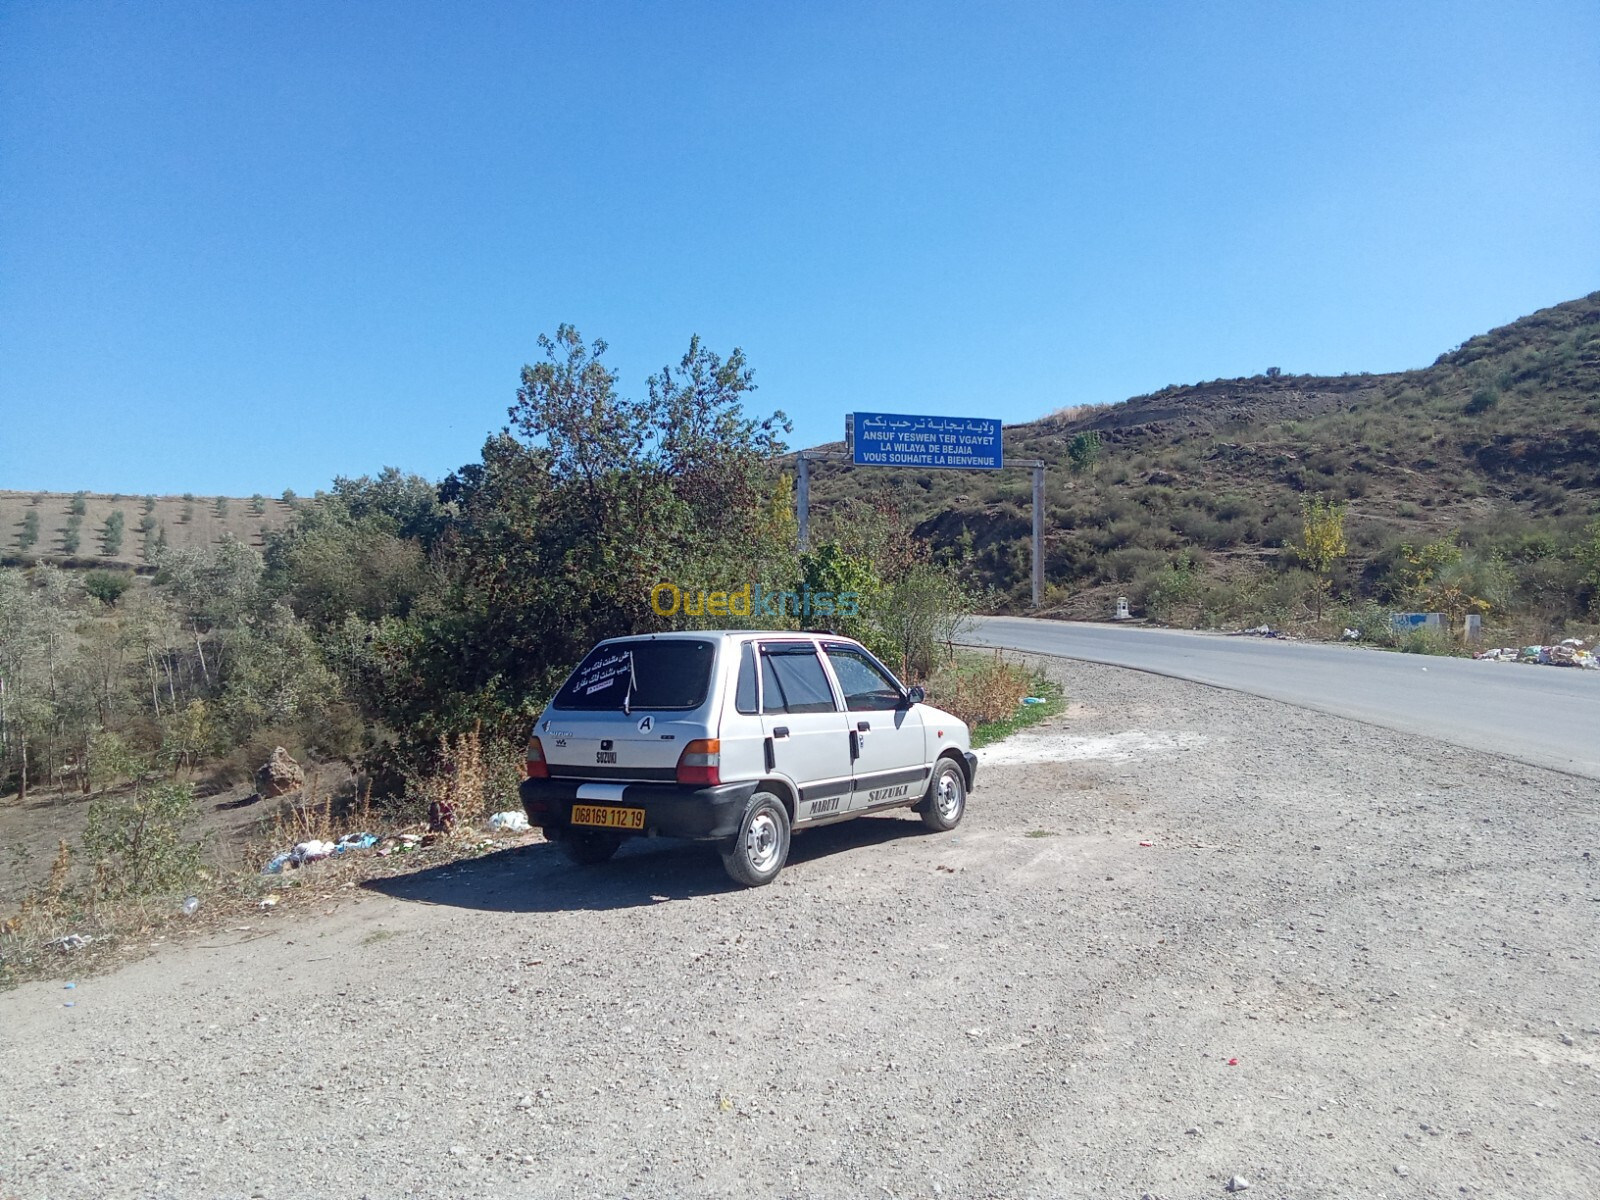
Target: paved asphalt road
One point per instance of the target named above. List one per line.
(1549, 716)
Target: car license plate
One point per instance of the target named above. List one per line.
(608, 816)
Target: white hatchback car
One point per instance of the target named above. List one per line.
(737, 738)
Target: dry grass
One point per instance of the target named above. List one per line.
(981, 689)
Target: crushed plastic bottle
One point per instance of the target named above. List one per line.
(191, 905)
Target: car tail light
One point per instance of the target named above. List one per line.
(701, 762)
(535, 767)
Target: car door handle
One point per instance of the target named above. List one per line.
(863, 725)
(781, 731)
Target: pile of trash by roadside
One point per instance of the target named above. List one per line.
(315, 850)
(1570, 653)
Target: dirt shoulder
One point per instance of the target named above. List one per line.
(1347, 962)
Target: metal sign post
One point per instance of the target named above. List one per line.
(939, 443)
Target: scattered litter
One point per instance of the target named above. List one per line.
(1237, 1183)
(355, 841)
(73, 941)
(268, 902)
(1350, 635)
(68, 986)
(1266, 631)
(1147, 844)
(191, 905)
(1571, 652)
(509, 822)
(1233, 1062)
(276, 864)
(1033, 700)
(69, 1004)
(312, 851)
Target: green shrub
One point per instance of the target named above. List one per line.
(1424, 641)
(79, 504)
(106, 586)
(30, 530)
(144, 845)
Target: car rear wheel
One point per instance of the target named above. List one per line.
(589, 847)
(762, 845)
(946, 802)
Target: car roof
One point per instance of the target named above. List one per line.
(704, 634)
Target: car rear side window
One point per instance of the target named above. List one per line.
(665, 674)
(792, 680)
(744, 695)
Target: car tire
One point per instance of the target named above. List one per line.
(946, 801)
(590, 847)
(761, 846)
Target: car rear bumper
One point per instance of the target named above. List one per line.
(972, 768)
(670, 810)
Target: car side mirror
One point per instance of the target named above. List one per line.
(915, 695)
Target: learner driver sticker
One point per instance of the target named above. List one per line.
(646, 724)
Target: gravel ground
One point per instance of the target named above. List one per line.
(1348, 963)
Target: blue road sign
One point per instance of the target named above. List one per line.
(902, 440)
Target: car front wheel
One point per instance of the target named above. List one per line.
(762, 845)
(946, 802)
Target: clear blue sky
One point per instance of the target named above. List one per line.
(247, 247)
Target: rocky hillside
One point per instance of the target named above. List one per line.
(1498, 440)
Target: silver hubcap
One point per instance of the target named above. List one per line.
(948, 797)
(761, 841)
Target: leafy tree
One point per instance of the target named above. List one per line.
(924, 612)
(111, 758)
(1083, 451)
(1588, 556)
(211, 590)
(111, 538)
(276, 677)
(1322, 544)
(831, 568)
(30, 530)
(1442, 576)
(71, 535)
(407, 505)
(572, 515)
(361, 549)
(79, 504)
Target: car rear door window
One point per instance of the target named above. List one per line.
(793, 681)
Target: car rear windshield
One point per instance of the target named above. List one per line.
(641, 674)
